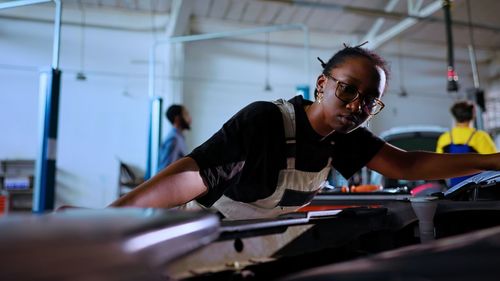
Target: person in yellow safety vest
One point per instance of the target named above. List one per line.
(463, 138)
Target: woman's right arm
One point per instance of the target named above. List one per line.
(179, 183)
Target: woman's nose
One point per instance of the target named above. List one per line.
(355, 105)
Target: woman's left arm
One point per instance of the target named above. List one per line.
(412, 165)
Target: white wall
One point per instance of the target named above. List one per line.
(223, 76)
(101, 120)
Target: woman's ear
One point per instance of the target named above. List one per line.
(321, 83)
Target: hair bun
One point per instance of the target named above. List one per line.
(323, 64)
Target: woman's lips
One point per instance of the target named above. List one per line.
(349, 119)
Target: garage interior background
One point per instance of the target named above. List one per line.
(105, 45)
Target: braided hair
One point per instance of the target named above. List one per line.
(350, 52)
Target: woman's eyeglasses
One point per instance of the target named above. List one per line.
(349, 93)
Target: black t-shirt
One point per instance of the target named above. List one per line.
(243, 159)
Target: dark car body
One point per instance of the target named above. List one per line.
(411, 138)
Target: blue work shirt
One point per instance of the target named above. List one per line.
(172, 148)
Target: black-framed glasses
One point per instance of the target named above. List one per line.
(349, 93)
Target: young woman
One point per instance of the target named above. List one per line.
(273, 157)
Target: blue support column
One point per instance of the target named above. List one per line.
(303, 90)
(45, 174)
(154, 137)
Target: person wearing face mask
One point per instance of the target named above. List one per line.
(271, 158)
(173, 147)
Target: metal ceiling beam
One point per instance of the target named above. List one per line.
(179, 17)
(379, 22)
(380, 13)
(403, 25)
(341, 7)
(414, 6)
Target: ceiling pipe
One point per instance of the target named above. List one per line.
(21, 3)
(218, 35)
